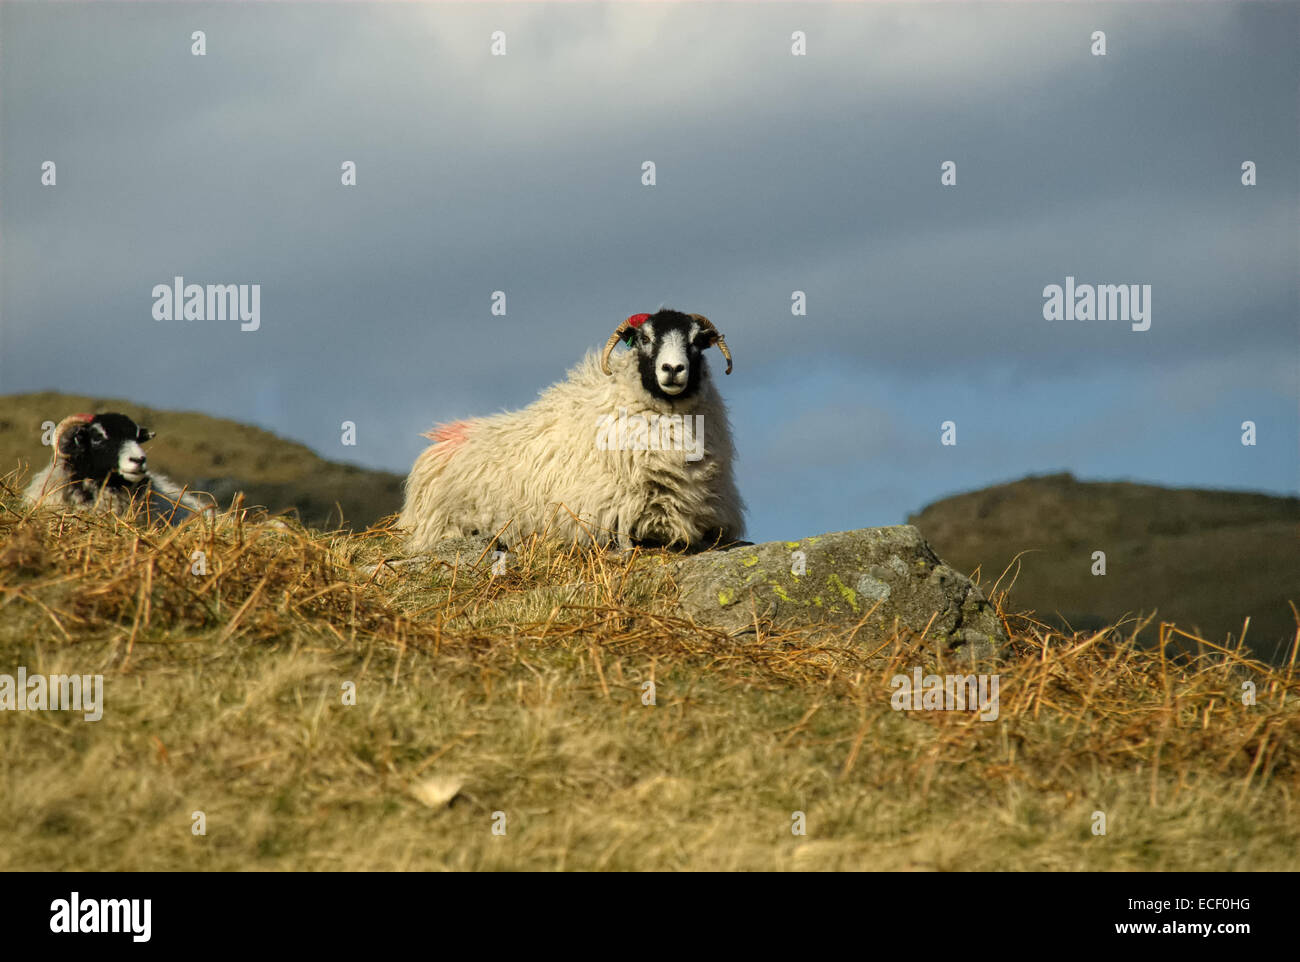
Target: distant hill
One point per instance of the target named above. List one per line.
(216, 455)
(1203, 558)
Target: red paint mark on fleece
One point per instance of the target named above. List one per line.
(449, 436)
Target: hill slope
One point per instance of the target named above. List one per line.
(324, 717)
(1201, 558)
(213, 454)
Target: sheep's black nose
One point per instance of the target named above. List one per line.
(673, 369)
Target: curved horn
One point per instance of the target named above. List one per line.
(66, 425)
(718, 339)
(614, 338)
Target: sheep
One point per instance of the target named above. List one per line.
(98, 464)
(634, 448)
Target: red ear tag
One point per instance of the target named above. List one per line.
(636, 320)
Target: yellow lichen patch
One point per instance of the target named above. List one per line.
(750, 562)
(780, 593)
(725, 597)
(847, 593)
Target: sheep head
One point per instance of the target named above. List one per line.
(669, 345)
(102, 446)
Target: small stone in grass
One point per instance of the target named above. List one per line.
(437, 791)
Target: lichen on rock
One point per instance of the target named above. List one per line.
(891, 575)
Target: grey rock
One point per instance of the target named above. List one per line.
(454, 552)
(463, 552)
(844, 576)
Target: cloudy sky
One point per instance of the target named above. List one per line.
(775, 173)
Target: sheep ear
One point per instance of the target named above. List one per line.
(145, 435)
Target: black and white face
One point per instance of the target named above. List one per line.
(669, 347)
(104, 446)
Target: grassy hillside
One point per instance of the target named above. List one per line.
(217, 455)
(522, 696)
(1204, 559)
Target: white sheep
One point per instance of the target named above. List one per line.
(98, 464)
(634, 448)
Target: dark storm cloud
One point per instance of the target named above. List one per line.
(775, 174)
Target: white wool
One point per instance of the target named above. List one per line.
(156, 494)
(539, 470)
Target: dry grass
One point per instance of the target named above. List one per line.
(522, 694)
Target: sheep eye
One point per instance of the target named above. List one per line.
(643, 339)
(703, 340)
